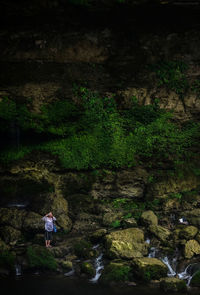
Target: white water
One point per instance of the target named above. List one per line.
(148, 241)
(18, 270)
(99, 267)
(171, 272)
(69, 273)
(152, 252)
(186, 275)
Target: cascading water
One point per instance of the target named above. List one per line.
(18, 270)
(189, 272)
(152, 252)
(99, 267)
(171, 272)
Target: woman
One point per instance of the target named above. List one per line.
(48, 219)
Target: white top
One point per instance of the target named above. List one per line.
(48, 223)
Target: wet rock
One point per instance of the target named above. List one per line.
(192, 247)
(98, 235)
(149, 218)
(172, 285)
(67, 265)
(195, 282)
(160, 232)
(127, 243)
(188, 232)
(129, 222)
(149, 268)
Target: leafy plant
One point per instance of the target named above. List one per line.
(115, 224)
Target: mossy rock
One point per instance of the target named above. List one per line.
(98, 235)
(12, 216)
(110, 217)
(67, 265)
(64, 222)
(116, 271)
(160, 232)
(195, 282)
(126, 243)
(149, 268)
(10, 235)
(129, 222)
(188, 232)
(149, 218)
(88, 269)
(172, 285)
(83, 249)
(33, 222)
(7, 258)
(192, 247)
(40, 258)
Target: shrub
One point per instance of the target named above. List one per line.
(39, 257)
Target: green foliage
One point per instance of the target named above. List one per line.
(39, 257)
(177, 196)
(7, 259)
(172, 75)
(115, 224)
(196, 279)
(95, 134)
(195, 87)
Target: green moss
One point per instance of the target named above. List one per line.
(116, 272)
(88, 268)
(40, 257)
(195, 282)
(7, 259)
(83, 249)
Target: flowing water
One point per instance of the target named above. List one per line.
(99, 267)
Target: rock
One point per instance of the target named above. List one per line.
(88, 269)
(130, 222)
(192, 247)
(195, 282)
(188, 232)
(64, 222)
(160, 232)
(115, 272)
(33, 222)
(172, 285)
(149, 218)
(197, 238)
(12, 216)
(149, 268)
(111, 217)
(10, 235)
(193, 216)
(67, 265)
(171, 204)
(127, 243)
(98, 235)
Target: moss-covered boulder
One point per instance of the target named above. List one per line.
(188, 232)
(40, 258)
(127, 243)
(149, 218)
(67, 265)
(33, 222)
(192, 247)
(193, 216)
(83, 249)
(195, 282)
(64, 222)
(160, 232)
(98, 235)
(88, 269)
(116, 272)
(172, 285)
(149, 268)
(10, 235)
(12, 216)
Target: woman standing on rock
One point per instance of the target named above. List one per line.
(48, 219)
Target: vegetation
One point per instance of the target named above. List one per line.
(83, 249)
(39, 257)
(95, 134)
(7, 259)
(116, 272)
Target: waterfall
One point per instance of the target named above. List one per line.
(18, 270)
(189, 272)
(69, 273)
(99, 267)
(152, 252)
(171, 272)
(148, 241)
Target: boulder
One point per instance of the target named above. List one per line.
(115, 272)
(98, 235)
(195, 282)
(160, 232)
(172, 285)
(33, 222)
(10, 235)
(88, 269)
(130, 222)
(149, 268)
(111, 217)
(12, 216)
(188, 232)
(127, 243)
(64, 222)
(193, 216)
(67, 265)
(192, 247)
(149, 218)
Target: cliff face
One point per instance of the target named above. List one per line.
(130, 54)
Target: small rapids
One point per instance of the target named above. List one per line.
(98, 266)
(18, 270)
(171, 272)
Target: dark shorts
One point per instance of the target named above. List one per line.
(48, 235)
